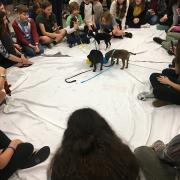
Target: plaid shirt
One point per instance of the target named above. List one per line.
(3, 51)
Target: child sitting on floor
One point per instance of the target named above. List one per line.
(136, 16)
(47, 25)
(75, 26)
(26, 32)
(109, 25)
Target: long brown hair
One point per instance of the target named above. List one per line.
(120, 12)
(143, 4)
(107, 16)
(91, 150)
(2, 25)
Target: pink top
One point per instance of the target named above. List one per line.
(176, 28)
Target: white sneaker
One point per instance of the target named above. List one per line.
(144, 95)
(146, 25)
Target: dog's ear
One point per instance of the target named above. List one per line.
(89, 57)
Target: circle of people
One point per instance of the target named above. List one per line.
(92, 151)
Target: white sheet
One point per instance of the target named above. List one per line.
(41, 101)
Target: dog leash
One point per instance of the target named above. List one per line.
(66, 80)
(95, 75)
(112, 59)
(58, 54)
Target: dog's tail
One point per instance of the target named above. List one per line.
(137, 53)
(132, 53)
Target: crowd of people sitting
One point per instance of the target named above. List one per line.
(93, 151)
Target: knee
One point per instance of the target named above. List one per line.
(25, 149)
(153, 76)
(166, 71)
(30, 52)
(46, 40)
(63, 32)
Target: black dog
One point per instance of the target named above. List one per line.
(73, 20)
(102, 36)
(95, 56)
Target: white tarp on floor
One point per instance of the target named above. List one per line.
(41, 101)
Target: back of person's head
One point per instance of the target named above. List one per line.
(107, 17)
(45, 4)
(73, 6)
(22, 9)
(91, 150)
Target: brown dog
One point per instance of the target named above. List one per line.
(119, 54)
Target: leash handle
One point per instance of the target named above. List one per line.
(66, 80)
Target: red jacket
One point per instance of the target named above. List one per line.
(21, 35)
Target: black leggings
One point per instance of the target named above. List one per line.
(21, 155)
(165, 92)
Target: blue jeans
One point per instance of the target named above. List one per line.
(151, 19)
(31, 52)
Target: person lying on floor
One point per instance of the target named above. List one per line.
(9, 56)
(166, 86)
(2, 80)
(15, 155)
(26, 33)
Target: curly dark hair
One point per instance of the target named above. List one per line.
(91, 150)
(121, 11)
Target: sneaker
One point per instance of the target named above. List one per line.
(160, 103)
(158, 146)
(144, 95)
(55, 43)
(70, 45)
(50, 46)
(146, 25)
(128, 35)
(158, 40)
(170, 52)
(37, 157)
